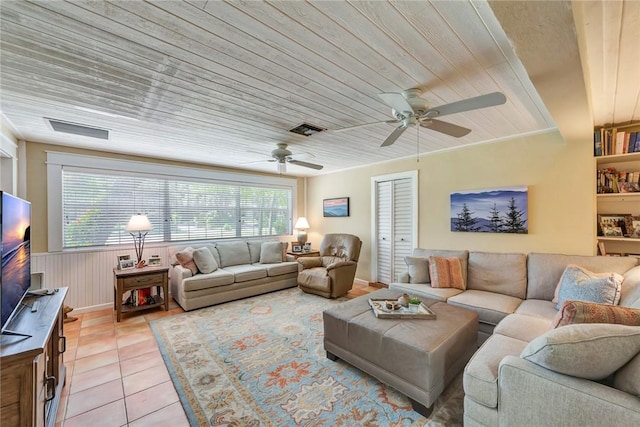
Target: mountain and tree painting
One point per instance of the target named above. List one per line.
(500, 210)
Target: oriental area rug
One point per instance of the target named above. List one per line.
(260, 362)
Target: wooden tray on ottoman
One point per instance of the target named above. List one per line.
(379, 309)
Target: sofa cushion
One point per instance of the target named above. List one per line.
(204, 260)
(503, 273)
(480, 378)
(491, 307)
(630, 294)
(185, 258)
(522, 327)
(627, 378)
(246, 272)
(418, 268)
(592, 351)
(447, 253)
(233, 253)
(271, 252)
(425, 290)
(281, 268)
(446, 272)
(544, 270)
(578, 283)
(573, 312)
(538, 308)
(205, 281)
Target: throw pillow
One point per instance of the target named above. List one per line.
(573, 312)
(204, 260)
(270, 252)
(578, 283)
(185, 258)
(446, 272)
(592, 351)
(418, 269)
(627, 378)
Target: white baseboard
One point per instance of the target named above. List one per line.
(91, 308)
(361, 282)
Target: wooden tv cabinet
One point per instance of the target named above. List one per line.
(32, 372)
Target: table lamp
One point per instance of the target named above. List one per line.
(139, 224)
(302, 225)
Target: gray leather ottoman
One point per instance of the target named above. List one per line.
(417, 357)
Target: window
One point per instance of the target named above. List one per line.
(97, 204)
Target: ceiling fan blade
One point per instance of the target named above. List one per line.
(258, 161)
(300, 156)
(363, 125)
(475, 103)
(394, 135)
(445, 127)
(396, 101)
(306, 164)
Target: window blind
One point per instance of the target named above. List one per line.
(97, 208)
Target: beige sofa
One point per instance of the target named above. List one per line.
(243, 269)
(512, 294)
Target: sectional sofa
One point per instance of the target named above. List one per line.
(526, 372)
(209, 273)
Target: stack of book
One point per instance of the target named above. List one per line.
(608, 142)
(610, 180)
(140, 297)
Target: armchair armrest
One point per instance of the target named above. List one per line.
(309, 262)
(340, 264)
(529, 394)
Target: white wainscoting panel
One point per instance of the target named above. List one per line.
(87, 274)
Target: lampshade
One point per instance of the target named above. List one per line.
(139, 223)
(302, 223)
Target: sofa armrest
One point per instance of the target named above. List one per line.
(403, 277)
(179, 273)
(529, 394)
(310, 262)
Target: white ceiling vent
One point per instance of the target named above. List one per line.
(78, 129)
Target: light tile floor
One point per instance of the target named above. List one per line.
(115, 373)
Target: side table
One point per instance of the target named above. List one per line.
(138, 278)
(297, 255)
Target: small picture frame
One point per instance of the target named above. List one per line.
(307, 247)
(154, 260)
(612, 225)
(122, 258)
(296, 248)
(632, 224)
(125, 264)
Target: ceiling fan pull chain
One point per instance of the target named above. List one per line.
(418, 145)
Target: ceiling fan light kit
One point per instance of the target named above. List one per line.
(409, 109)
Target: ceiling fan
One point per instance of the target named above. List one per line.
(282, 156)
(408, 108)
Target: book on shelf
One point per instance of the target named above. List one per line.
(610, 180)
(608, 142)
(140, 297)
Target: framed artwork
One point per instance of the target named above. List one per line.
(307, 247)
(296, 248)
(493, 210)
(337, 207)
(632, 224)
(612, 225)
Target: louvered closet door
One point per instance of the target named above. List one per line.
(395, 227)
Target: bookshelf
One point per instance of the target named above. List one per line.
(617, 187)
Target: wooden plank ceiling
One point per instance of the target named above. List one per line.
(221, 83)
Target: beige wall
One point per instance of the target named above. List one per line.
(37, 183)
(561, 200)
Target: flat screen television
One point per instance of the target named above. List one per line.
(15, 221)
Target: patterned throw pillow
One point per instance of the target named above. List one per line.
(573, 312)
(446, 273)
(185, 258)
(418, 269)
(204, 260)
(578, 283)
